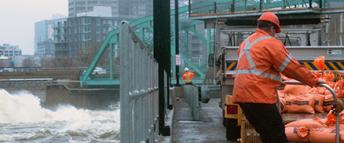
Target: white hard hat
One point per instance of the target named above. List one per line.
(186, 69)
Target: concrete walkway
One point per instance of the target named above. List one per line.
(208, 130)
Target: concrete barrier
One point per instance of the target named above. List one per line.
(53, 73)
(81, 97)
(192, 98)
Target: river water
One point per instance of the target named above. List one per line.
(23, 119)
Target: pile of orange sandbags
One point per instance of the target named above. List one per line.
(307, 103)
(313, 130)
(301, 98)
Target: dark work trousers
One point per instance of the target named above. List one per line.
(267, 121)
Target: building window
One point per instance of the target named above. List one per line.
(83, 21)
(98, 37)
(88, 21)
(80, 9)
(92, 2)
(84, 37)
(80, 2)
(87, 29)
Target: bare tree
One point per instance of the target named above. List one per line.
(86, 55)
(48, 62)
(2, 63)
(29, 62)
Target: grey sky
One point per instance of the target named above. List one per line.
(17, 18)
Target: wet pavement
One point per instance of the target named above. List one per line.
(208, 130)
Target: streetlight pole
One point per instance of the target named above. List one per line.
(162, 49)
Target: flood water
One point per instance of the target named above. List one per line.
(23, 119)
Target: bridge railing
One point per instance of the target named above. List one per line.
(138, 89)
(198, 8)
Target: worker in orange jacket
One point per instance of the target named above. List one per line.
(262, 58)
(188, 76)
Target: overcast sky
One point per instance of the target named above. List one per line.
(17, 18)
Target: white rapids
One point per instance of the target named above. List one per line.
(23, 119)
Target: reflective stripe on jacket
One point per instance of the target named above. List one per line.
(261, 60)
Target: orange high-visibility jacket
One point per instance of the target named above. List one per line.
(261, 60)
(188, 76)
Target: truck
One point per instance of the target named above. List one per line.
(237, 128)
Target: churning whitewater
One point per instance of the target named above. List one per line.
(23, 119)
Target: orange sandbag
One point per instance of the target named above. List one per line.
(340, 93)
(330, 118)
(318, 103)
(325, 135)
(297, 134)
(281, 94)
(339, 88)
(328, 103)
(341, 118)
(317, 74)
(282, 103)
(319, 90)
(320, 62)
(313, 90)
(299, 104)
(329, 76)
(296, 89)
(322, 135)
(308, 123)
(281, 97)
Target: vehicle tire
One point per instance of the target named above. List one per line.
(232, 130)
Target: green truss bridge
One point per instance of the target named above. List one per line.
(193, 19)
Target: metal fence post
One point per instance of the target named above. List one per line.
(124, 91)
(189, 6)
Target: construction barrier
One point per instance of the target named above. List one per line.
(192, 98)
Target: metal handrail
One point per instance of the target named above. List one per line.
(138, 89)
(294, 82)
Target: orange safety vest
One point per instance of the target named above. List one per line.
(261, 60)
(188, 76)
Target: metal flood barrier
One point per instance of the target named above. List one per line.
(138, 89)
(193, 99)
